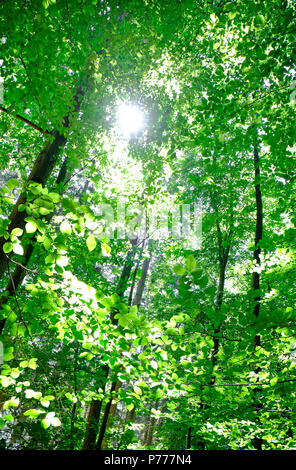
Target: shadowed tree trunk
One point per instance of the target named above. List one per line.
(111, 409)
(41, 171)
(21, 269)
(224, 245)
(188, 437)
(150, 427)
(256, 275)
(91, 431)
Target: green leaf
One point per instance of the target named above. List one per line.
(5, 381)
(106, 249)
(8, 418)
(21, 208)
(32, 363)
(7, 247)
(62, 261)
(138, 390)
(50, 420)
(179, 269)
(12, 317)
(273, 381)
(190, 263)
(12, 183)
(8, 354)
(33, 413)
(123, 320)
(65, 227)
(31, 227)
(47, 243)
(18, 249)
(17, 232)
(50, 258)
(91, 242)
(154, 364)
(13, 402)
(259, 21)
(134, 310)
(45, 403)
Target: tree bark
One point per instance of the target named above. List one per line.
(188, 437)
(20, 271)
(223, 254)
(110, 410)
(95, 411)
(41, 171)
(92, 424)
(256, 275)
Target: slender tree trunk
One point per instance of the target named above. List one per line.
(258, 235)
(223, 252)
(108, 416)
(95, 410)
(130, 298)
(41, 171)
(141, 284)
(256, 275)
(223, 260)
(92, 424)
(188, 437)
(150, 427)
(110, 410)
(146, 428)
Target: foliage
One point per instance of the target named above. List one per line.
(158, 335)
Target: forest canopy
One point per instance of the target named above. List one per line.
(147, 224)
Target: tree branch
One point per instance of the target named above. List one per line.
(26, 121)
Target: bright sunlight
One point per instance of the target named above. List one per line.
(130, 119)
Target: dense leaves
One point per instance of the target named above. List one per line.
(117, 330)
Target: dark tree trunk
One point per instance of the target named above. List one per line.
(90, 441)
(41, 171)
(111, 408)
(92, 424)
(256, 275)
(20, 271)
(188, 437)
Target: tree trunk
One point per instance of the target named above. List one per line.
(108, 416)
(223, 252)
(110, 410)
(188, 437)
(256, 275)
(20, 271)
(141, 284)
(91, 434)
(92, 424)
(41, 171)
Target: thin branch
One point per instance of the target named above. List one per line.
(22, 266)
(26, 121)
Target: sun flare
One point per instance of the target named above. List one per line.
(130, 119)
